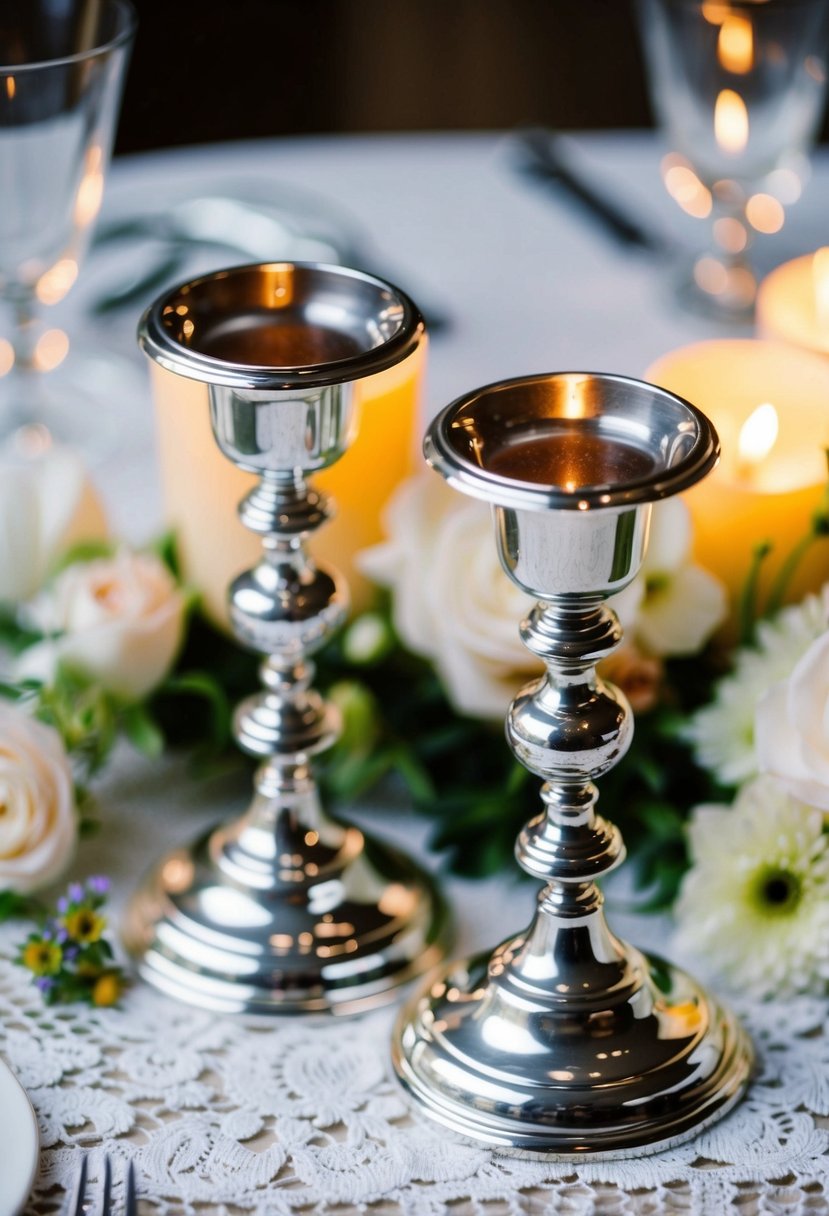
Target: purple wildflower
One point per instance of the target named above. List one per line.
(44, 983)
(70, 953)
(76, 892)
(63, 905)
(99, 884)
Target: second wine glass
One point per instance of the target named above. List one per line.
(738, 88)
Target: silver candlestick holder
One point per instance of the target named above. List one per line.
(286, 909)
(565, 1040)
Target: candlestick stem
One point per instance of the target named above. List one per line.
(286, 909)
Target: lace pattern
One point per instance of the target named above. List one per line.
(224, 1116)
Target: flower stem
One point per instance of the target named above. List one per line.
(748, 598)
(818, 529)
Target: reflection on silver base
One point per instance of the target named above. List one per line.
(370, 922)
(492, 1056)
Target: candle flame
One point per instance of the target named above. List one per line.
(11, 88)
(735, 44)
(758, 435)
(820, 283)
(730, 121)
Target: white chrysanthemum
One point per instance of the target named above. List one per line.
(722, 733)
(755, 903)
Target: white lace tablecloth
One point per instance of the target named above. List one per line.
(224, 1117)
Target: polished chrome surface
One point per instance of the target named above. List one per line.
(673, 435)
(287, 909)
(565, 1040)
(377, 325)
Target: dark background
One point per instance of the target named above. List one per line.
(205, 70)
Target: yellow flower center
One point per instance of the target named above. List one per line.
(84, 925)
(43, 958)
(107, 990)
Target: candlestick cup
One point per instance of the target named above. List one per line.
(286, 909)
(565, 1040)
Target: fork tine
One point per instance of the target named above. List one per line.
(130, 1203)
(106, 1207)
(77, 1201)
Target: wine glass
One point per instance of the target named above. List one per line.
(62, 67)
(738, 87)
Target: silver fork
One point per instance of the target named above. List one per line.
(82, 1204)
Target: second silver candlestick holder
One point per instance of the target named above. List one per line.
(285, 910)
(565, 1040)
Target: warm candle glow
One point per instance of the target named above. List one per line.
(820, 281)
(91, 188)
(772, 474)
(685, 187)
(55, 283)
(574, 406)
(6, 356)
(758, 436)
(735, 44)
(730, 121)
(715, 11)
(51, 349)
(765, 213)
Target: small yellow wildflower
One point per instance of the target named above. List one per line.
(84, 925)
(107, 989)
(42, 957)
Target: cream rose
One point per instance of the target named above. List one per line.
(452, 602)
(792, 728)
(118, 620)
(38, 825)
(47, 504)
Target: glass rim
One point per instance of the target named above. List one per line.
(130, 19)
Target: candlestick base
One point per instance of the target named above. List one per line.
(641, 1058)
(339, 934)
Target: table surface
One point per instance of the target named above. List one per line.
(531, 284)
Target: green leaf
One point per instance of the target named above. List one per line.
(13, 904)
(165, 547)
(204, 687)
(83, 551)
(142, 731)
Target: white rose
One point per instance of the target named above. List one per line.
(792, 728)
(47, 504)
(38, 825)
(452, 601)
(672, 607)
(118, 620)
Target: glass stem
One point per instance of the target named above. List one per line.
(23, 387)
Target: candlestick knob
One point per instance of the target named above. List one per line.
(565, 1040)
(287, 909)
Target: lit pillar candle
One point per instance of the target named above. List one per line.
(770, 405)
(201, 487)
(793, 303)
